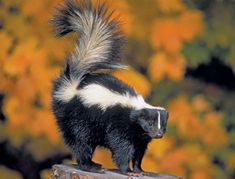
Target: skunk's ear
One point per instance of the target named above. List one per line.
(137, 114)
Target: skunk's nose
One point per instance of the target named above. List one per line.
(159, 135)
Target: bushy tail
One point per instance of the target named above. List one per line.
(100, 41)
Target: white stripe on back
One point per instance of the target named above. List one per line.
(95, 94)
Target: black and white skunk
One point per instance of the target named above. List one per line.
(96, 109)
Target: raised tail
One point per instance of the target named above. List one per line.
(100, 41)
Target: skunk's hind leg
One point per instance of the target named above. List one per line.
(83, 153)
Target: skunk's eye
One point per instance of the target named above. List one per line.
(150, 124)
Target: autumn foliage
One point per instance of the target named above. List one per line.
(165, 38)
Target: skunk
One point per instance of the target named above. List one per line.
(94, 108)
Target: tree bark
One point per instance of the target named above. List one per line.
(72, 172)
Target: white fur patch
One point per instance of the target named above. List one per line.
(95, 42)
(95, 94)
(67, 90)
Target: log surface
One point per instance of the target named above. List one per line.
(72, 172)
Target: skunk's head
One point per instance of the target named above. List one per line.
(152, 121)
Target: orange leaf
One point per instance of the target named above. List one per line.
(135, 80)
(199, 174)
(200, 104)
(166, 34)
(190, 24)
(176, 67)
(169, 33)
(162, 64)
(157, 66)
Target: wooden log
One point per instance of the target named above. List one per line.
(72, 172)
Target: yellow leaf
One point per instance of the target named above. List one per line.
(159, 148)
(170, 5)
(214, 130)
(46, 174)
(104, 157)
(200, 174)
(6, 41)
(8, 173)
(149, 164)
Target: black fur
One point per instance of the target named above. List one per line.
(126, 131)
(86, 128)
(109, 82)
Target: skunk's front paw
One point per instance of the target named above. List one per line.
(92, 167)
(134, 174)
(138, 170)
(96, 165)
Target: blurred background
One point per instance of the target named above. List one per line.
(182, 57)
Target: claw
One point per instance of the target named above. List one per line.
(133, 174)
